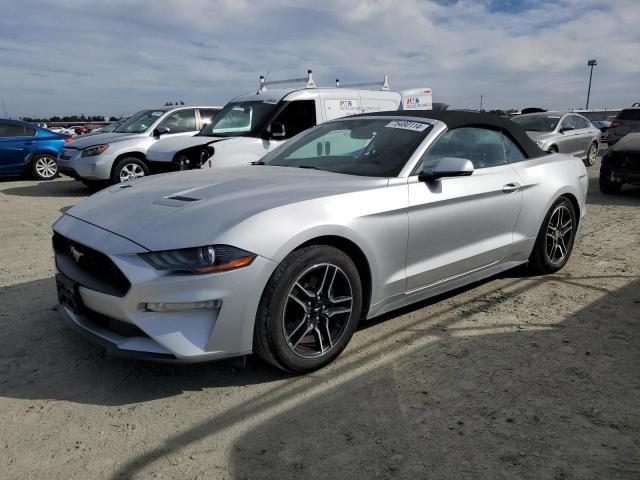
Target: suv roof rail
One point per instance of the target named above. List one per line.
(308, 79)
(384, 84)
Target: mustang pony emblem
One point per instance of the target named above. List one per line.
(77, 254)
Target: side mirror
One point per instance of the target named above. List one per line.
(277, 130)
(447, 167)
(158, 131)
(566, 129)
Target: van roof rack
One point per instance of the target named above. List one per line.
(308, 80)
(384, 84)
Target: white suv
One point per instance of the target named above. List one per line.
(122, 154)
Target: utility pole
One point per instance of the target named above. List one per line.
(481, 96)
(591, 63)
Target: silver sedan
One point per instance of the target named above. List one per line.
(346, 221)
(562, 132)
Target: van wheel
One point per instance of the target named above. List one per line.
(309, 309)
(128, 168)
(43, 167)
(555, 238)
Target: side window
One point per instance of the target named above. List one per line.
(11, 130)
(180, 121)
(580, 122)
(511, 150)
(297, 116)
(567, 122)
(337, 143)
(207, 114)
(483, 147)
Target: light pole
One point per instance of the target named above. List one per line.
(591, 63)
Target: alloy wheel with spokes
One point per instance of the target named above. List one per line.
(556, 236)
(592, 154)
(309, 309)
(131, 171)
(317, 310)
(44, 167)
(559, 235)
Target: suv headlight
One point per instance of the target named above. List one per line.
(95, 150)
(207, 259)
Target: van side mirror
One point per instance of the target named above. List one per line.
(447, 167)
(158, 131)
(278, 130)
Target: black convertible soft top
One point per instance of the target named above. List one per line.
(455, 119)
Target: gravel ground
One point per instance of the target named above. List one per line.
(517, 377)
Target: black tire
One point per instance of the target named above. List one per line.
(43, 166)
(93, 185)
(132, 164)
(270, 340)
(606, 185)
(553, 149)
(541, 261)
(590, 160)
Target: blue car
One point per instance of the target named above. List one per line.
(29, 149)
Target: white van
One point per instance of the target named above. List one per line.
(250, 126)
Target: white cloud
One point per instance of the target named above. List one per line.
(73, 56)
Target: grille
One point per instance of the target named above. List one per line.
(89, 267)
(121, 328)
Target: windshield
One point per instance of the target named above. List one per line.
(140, 122)
(537, 123)
(239, 119)
(365, 147)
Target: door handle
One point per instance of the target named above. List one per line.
(28, 142)
(511, 187)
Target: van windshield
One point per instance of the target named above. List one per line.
(239, 119)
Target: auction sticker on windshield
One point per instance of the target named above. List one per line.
(415, 126)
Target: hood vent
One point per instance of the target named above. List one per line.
(182, 198)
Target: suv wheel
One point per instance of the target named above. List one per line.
(608, 186)
(129, 168)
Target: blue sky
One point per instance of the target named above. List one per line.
(116, 57)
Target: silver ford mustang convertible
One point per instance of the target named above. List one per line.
(348, 220)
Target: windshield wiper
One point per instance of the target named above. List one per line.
(310, 167)
(259, 162)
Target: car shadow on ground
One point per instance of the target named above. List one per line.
(628, 196)
(442, 401)
(55, 188)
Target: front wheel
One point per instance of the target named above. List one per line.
(129, 168)
(44, 167)
(555, 239)
(607, 185)
(592, 154)
(309, 309)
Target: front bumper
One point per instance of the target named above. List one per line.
(123, 327)
(71, 163)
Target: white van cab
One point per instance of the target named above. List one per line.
(250, 126)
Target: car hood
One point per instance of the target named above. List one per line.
(540, 136)
(84, 142)
(164, 149)
(193, 208)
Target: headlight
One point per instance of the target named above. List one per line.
(539, 143)
(95, 150)
(211, 258)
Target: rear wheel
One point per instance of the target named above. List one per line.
(129, 168)
(44, 167)
(592, 154)
(555, 238)
(309, 309)
(607, 185)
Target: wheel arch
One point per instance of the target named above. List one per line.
(355, 253)
(135, 154)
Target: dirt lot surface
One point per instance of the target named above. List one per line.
(516, 377)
